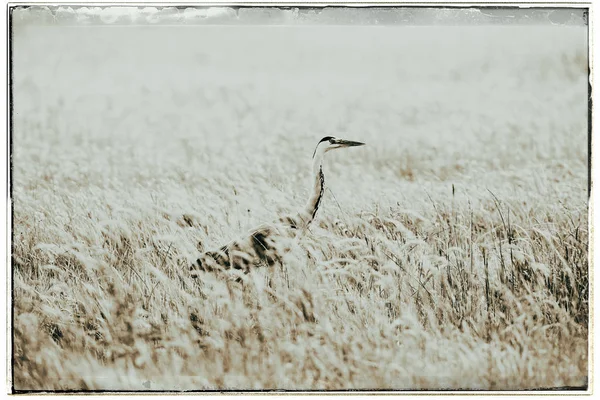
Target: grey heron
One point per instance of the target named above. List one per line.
(259, 248)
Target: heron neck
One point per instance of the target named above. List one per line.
(318, 189)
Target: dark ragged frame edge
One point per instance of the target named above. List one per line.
(584, 389)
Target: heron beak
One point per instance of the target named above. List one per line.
(348, 143)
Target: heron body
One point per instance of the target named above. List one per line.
(260, 246)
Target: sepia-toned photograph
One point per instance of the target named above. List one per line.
(299, 198)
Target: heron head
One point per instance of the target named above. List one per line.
(330, 143)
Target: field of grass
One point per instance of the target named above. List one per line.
(451, 252)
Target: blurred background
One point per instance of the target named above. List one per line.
(433, 102)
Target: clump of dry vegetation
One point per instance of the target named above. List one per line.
(451, 252)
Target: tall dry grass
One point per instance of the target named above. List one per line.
(450, 253)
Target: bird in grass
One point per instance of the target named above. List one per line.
(259, 247)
